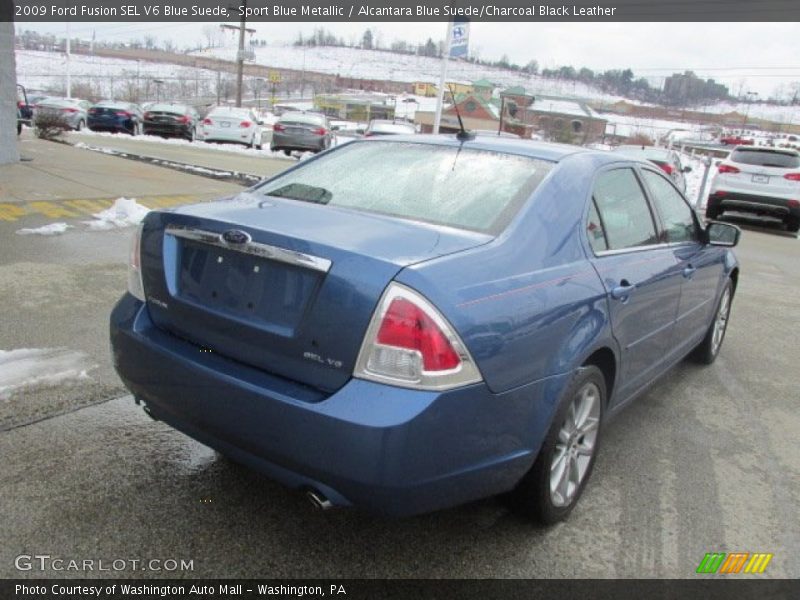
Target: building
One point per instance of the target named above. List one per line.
(562, 120)
(356, 106)
(424, 88)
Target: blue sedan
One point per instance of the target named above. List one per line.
(408, 324)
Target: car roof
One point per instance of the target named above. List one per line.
(643, 150)
(542, 150)
(771, 149)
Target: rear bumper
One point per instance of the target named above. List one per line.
(385, 449)
(290, 142)
(101, 125)
(771, 206)
(159, 129)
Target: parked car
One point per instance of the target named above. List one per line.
(176, 120)
(736, 140)
(668, 160)
(230, 124)
(407, 323)
(297, 130)
(73, 110)
(110, 115)
(762, 181)
(385, 127)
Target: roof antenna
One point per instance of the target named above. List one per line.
(463, 135)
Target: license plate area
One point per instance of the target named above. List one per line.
(760, 178)
(224, 124)
(244, 286)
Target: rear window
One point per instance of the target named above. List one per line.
(303, 118)
(469, 189)
(766, 158)
(177, 109)
(391, 128)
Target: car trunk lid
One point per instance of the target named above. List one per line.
(282, 285)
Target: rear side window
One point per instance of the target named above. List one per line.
(623, 209)
(679, 223)
(766, 158)
(466, 188)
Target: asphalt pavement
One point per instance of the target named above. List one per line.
(706, 461)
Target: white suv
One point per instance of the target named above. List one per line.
(758, 180)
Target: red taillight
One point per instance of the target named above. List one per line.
(728, 169)
(208, 122)
(319, 131)
(792, 176)
(278, 127)
(410, 344)
(69, 110)
(245, 124)
(406, 325)
(793, 204)
(667, 169)
(184, 119)
(147, 115)
(20, 104)
(368, 134)
(123, 113)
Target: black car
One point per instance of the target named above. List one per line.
(178, 120)
(113, 116)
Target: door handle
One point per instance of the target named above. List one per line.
(622, 291)
(688, 272)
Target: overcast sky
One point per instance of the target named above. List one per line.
(764, 55)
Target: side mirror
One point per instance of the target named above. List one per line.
(722, 234)
(686, 169)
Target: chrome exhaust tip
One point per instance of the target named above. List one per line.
(318, 501)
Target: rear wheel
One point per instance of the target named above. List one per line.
(708, 350)
(793, 224)
(551, 489)
(287, 152)
(81, 125)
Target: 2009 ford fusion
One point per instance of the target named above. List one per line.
(408, 324)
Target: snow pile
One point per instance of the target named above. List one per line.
(51, 229)
(27, 367)
(123, 213)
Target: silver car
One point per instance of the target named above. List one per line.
(386, 127)
(73, 110)
(667, 160)
(758, 180)
(301, 131)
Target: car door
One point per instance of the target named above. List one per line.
(700, 265)
(639, 273)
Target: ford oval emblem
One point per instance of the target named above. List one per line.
(236, 236)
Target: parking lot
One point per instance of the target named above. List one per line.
(706, 461)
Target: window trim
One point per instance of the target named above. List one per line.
(655, 218)
(651, 197)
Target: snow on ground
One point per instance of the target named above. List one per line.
(51, 229)
(374, 64)
(123, 213)
(694, 179)
(27, 367)
(231, 148)
(655, 129)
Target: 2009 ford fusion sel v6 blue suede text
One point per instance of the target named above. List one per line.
(408, 324)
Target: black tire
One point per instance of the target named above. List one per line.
(533, 496)
(707, 351)
(80, 126)
(19, 127)
(287, 152)
(793, 225)
(191, 135)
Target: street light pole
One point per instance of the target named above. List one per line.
(240, 57)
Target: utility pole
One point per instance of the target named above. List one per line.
(240, 57)
(69, 78)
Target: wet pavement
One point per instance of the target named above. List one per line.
(706, 461)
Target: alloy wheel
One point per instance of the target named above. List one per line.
(721, 321)
(575, 445)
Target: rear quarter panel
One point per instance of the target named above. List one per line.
(529, 305)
